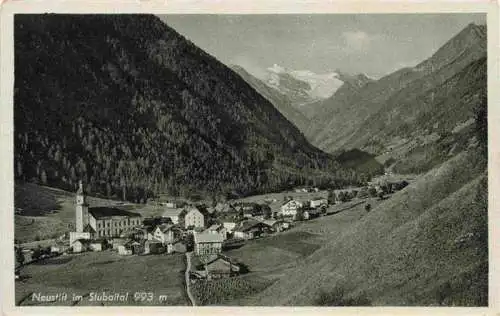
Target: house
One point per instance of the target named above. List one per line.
(137, 247)
(110, 222)
(164, 233)
(218, 266)
(169, 204)
(316, 203)
(137, 233)
(281, 225)
(290, 208)
(101, 221)
(224, 208)
(96, 245)
(117, 242)
(218, 229)
(124, 251)
(207, 243)
(173, 214)
(251, 228)
(153, 247)
(59, 247)
(73, 236)
(314, 213)
(28, 255)
(259, 217)
(81, 245)
(193, 218)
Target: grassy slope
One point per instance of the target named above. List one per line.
(404, 251)
(106, 271)
(46, 212)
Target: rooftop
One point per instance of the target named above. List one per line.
(208, 238)
(248, 224)
(169, 212)
(165, 227)
(99, 212)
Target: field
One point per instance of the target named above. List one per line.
(219, 292)
(105, 271)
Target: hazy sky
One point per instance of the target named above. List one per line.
(375, 44)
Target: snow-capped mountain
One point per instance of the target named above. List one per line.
(302, 86)
(322, 85)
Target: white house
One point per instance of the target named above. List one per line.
(207, 243)
(124, 251)
(81, 245)
(96, 246)
(318, 203)
(290, 208)
(164, 233)
(193, 217)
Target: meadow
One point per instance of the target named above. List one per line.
(105, 271)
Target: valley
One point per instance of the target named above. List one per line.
(148, 167)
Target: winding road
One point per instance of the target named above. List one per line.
(188, 268)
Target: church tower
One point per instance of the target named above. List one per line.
(82, 209)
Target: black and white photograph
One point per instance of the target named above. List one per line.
(313, 160)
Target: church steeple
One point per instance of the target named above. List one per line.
(82, 209)
(80, 194)
(80, 188)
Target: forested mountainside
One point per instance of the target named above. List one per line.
(281, 101)
(412, 112)
(132, 108)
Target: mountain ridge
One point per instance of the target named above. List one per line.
(340, 120)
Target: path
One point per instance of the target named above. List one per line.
(188, 268)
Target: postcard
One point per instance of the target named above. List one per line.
(249, 157)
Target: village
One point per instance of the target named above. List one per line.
(203, 234)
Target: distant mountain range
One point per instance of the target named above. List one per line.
(131, 107)
(413, 115)
(279, 99)
(302, 87)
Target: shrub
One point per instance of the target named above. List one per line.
(337, 297)
(372, 192)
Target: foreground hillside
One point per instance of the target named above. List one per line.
(131, 107)
(426, 245)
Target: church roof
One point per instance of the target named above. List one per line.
(103, 211)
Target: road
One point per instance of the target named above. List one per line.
(188, 268)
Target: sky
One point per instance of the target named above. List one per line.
(374, 44)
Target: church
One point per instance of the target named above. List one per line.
(103, 221)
